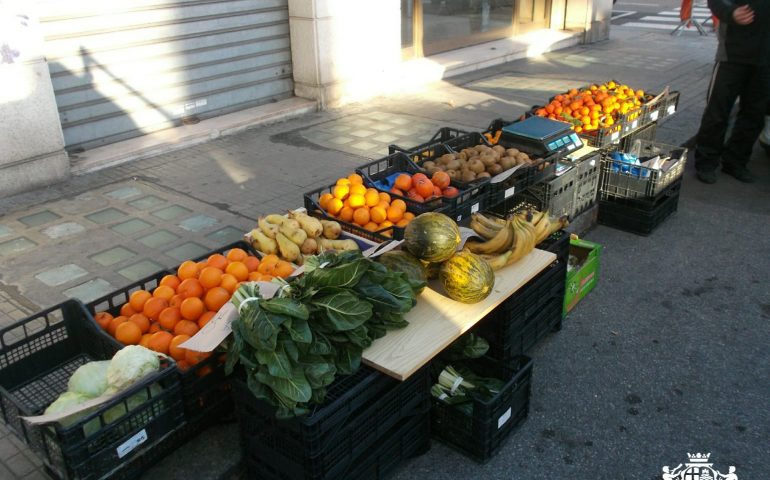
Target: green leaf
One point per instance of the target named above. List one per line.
(285, 306)
(289, 347)
(299, 330)
(344, 275)
(234, 352)
(320, 345)
(344, 310)
(320, 374)
(295, 388)
(267, 324)
(277, 362)
(359, 336)
(348, 359)
(257, 388)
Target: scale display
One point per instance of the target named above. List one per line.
(541, 136)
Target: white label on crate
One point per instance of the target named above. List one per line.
(671, 109)
(654, 115)
(509, 191)
(614, 137)
(570, 147)
(129, 445)
(475, 208)
(634, 123)
(459, 218)
(504, 418)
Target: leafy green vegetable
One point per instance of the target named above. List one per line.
(293, 345)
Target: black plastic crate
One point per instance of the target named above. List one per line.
(444, 134)
(380, 170)
(359, 409)
(557, 243)
(640, 217)
(481, 435)
(313, 207)
(38, 356)
(639, 183)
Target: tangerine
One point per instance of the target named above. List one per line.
(395, 214)
(127, 311)
(343, 181)
(400, 204)
(239, 270)
(216, 297)
(170, 281)
(323, 200)
(236, 255)
(164, 291)
(187, 269)
(346, 214)
(114, 324)
(371, 226)
(357, 189)
(229, 282)
(141, 321)
(355, 179)
(334, 206)
(176, 300)
(160, 341)
(174, 350)
(403, 182)
(210, 277)
(372, 198)
(441, 179)
(205, 318)
(378, 214)
(103, 319)
(268, 264)
(154, 327)
(128, 333)
(356, 201)
(193, 358)
(137, 299)
(340, 192)
(169, 317)
(283, 269)
(384, 197)
(192, 308)
(145, 341)
(186, 327)
(424, 188)
(190, 287)
(361, 216)
(251, 262)
(154, 306)
(217, 260)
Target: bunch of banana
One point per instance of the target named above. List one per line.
(294, 236)
(509, 240)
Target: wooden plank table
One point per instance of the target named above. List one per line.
(436, 321)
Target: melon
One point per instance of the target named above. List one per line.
(467, 278)
(432, 237)
(401, 261)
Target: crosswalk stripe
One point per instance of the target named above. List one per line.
(676, 14)
(658, 26)
(668, 19)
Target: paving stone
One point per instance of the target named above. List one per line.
(385, 138)
(124, 193)
(63, 230)
(362, 133)
(4, 231)
(130, 227)
(158, 239)
(198, 223)
(40, 218)
(381, 127)
(36, 475)
(16, 245)
(186, 251)
(140, 270)
(19, 465)
(340, 140)
(61, 275)
(112, 256)
(379, 115)
(226, 235)
(400, 120)
(171, 212)
(90, 290)
(108, 215)
(146, 203)
(364, 145)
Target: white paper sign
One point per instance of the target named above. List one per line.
(654, 115)
(126, 447)
(465, 234)
(509, 192)
(504, 418)
(615, 136)
(671, 109)
(475, 208)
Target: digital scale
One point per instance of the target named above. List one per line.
(541, 136)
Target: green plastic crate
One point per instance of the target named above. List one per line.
(583, 278)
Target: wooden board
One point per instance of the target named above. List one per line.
(436, 321)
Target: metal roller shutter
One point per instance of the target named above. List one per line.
(120, 70)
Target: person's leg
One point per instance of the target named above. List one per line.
(726, 83)
(749, 123)
(764, 137)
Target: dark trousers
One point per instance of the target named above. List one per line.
(732, 80)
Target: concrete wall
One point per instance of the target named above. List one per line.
(31, 141)
(591, 16)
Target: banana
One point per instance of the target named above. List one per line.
(296, 235)
(269, 229)
(498, 244)
(537, 217)
(289, 250)
(311, 225)
(542, 229)
(281, 220)
(497, 261)
(262, 242)
(491, 222)
(557, 225)
(524, 242)
(483, 230)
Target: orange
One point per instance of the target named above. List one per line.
(210, 277)
(160, 341)
(334, 206)
(343, 181)
(255, 276)
(186, 327)
(238, 270)
(182, 365)
(188, 269)
(358, 189)
(283, 269)
(346, 214)
(372, 198)
(251, 262)
(340, 192)
(127, 311)
(395, 214)
(170, 281)
(355, 179)
(137, 299)
(145, 341)
(386, 224)
(205, 318)
(400, 204)
(424, 188)
(408, 215)
(174, 350)
(114, 324)
(164, 291)
(356, 201)
(237, 255)
(371, 226)
(323, 200)
(217, 261)
(193, 358)
(440, 179)
(141, 321)
(384, 197)
(103, 319)
(268, 264)
(378, 214)
(190, 287)
(229, 282)
(361, 216)
(169, 317)
(153, 307)
(201, 265)
(402, 223)
(192, 308)
(128, 333)
(216, 297)
(176, 300)
(403, 182)
(154, 327)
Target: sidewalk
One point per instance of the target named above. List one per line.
(667, 356)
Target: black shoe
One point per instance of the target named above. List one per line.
(741, 173)
(766, 146)
(706, 176)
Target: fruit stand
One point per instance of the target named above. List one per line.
(398, 304)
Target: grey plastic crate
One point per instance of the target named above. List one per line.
(557, 194)
(639, 181)
(588, 170)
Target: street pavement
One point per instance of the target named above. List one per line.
(668, 355)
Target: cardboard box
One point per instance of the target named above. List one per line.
(583, 277)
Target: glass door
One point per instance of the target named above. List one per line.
(532, 15)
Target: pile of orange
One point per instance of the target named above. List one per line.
(350, 201)
(595, 107)
(420, 188)
(182, 304)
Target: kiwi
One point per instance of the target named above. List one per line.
(495, 169)
(428, 164)
(488, 160)
(462, 155)
(483, 175)
(476, 166)
(430, 171)
(507, 163)
(499, 149)
(522, 156)
(446, 158)
(480, 148)
(468, 176)
(453, 174)
(469, 152)
(512, 152)
(453, 165)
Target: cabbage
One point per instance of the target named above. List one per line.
(89, 379)
(67, 401)
(129, 365)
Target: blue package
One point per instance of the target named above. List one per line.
(626, 163)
